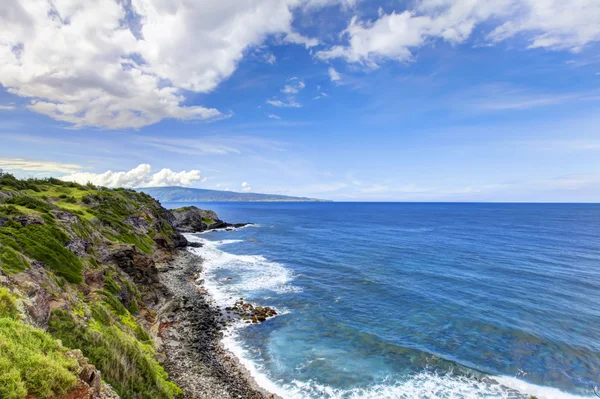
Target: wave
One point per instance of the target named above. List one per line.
(228, 277)
(253, 273)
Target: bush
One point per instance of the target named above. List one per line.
(8, 307)
(32, 364)
(11, 261)
(29, 202)
(127, 364)
(45, 243)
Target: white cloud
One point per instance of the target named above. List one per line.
(552, 24)
(38, 166)
(334, 75)
(291, 89)
(289, 103)
(126, 64)
(140, 176)
(270, 58)
(7, 107)
(273, 116)
(246, 187)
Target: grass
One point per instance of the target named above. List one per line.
(11, 261)
(45, 243)
(102, 323)
(126, 362)
(32, 363)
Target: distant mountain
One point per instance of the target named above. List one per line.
(184, 194)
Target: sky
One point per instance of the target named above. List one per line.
(348, 100)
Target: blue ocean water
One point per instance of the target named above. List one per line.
(402, 300)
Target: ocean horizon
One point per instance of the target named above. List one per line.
(412, 300)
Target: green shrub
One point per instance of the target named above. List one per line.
(32, 363)
(45, 243)
(127, 364)
(11, 261)
(8, 307)
(9, 210)
(29, 202)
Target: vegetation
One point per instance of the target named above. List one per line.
(42, 242)
(39, 219)
(127, 362)
(31, 361)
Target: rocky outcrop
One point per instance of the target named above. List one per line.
(190, 219)
(90, 385)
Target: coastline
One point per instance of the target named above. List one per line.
(189, 332)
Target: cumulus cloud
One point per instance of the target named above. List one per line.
(246, 187)
(273, 116)
(7, 107)
(140, 176)
(552, 24)
(127, 64)
(334, 75)
(38, 166)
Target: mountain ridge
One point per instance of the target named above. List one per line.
(187, 194)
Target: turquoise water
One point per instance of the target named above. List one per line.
(414, 300)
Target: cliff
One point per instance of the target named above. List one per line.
(82, 303)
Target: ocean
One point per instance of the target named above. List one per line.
(413, 300)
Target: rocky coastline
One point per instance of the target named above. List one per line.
(189, 327)
(98, 287)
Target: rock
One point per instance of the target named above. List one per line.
(191, 220)
(90, 384)
(251, 313)
(28, 220)
(193, 244)
(79, 247)
(138, 222)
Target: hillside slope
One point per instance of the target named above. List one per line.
(79, 264)
(184, 194)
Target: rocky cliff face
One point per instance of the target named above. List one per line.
(190, 219)
(79, 269)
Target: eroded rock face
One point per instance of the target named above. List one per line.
(192, 220)
(140, 267)
(79, 247)
(90, 385)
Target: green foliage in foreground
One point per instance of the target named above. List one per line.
(42, 242)
(37, 219)
(127, 364)
(31, 361)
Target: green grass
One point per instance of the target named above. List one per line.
(11, 261)
(31, 361)
(99, 323)
(127, 363)
(207, 221)
(45, 243)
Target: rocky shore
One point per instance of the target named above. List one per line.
(189, 331)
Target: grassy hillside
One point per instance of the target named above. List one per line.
(78, 271)
(184, 194)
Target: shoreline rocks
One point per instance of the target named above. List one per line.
(191, 219)
(188, 335)
(250, 313)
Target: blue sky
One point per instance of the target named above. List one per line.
(432, 100)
